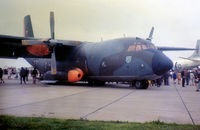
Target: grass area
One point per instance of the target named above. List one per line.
(12, 122)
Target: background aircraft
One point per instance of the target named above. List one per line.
(130, 59)
(191, 61)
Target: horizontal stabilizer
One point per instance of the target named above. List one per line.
(195, 60)
(175, 49)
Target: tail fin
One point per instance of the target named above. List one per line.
(197, 51)
(28, 30)
(151, 34)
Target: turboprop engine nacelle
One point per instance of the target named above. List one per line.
(38, 50)
(75, 75)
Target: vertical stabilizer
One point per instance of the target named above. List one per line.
(28, 30)
(197, 51)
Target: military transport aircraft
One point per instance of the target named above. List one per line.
(129, 59)
(189, 62)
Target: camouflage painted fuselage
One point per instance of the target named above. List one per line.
(124, 59)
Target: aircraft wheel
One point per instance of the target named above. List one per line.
(141, 84)
(99, 83)
(138, 84)
(145, 84)
(96, 83)
(132, 84)
(90, 83)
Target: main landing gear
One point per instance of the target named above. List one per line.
(96, 83)
(143, 84)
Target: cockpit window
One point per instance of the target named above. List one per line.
(139, 45)
(144, 47)
(152, 46)
(131, 48)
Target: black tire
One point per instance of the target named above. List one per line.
(96, 83)
(145, 84)
(90, 83)
(99, 83)
(141, 84)
(132, 84)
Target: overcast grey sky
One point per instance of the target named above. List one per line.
(176, 22)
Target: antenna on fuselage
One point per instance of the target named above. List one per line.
(151, 34)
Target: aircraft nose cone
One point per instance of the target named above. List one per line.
(161, 63)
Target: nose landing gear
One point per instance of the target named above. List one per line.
(143, 84)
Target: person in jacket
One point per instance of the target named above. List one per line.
(27, 73)
(196, 80)
(22, 75)
(179, 77)
(34, 75)
(192, 78)
(1, 76)
(183, 77)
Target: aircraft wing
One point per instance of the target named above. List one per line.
(69, 43)
(11, 47)
(195, 60)
(174, 49)
(14, 47)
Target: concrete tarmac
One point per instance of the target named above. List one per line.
(111, 102)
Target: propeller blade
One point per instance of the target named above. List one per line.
(52, 24)
(53, 62)
(151, 34)
(32, 42)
